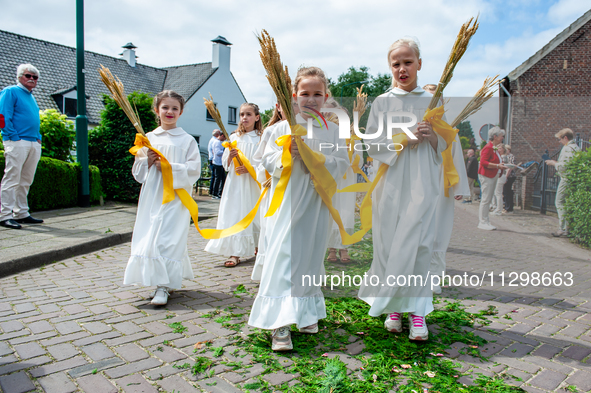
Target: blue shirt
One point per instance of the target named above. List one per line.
(210, 147)
(218, 152)
(21, 114)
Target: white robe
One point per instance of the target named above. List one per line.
(159, 244)
(257, 270)
(345, 205)
(444, 216)
(239, 197)
(298, 238)
(403, 216)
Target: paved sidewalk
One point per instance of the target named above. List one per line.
(72, 326)
(73, 231)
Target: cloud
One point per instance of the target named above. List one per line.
(567, 11)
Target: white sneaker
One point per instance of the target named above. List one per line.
(486, 227)
(496, 213)
(393, 323)
(160, 297)
(281, 339)
(312, 329)
(418, 328)
(436, 289)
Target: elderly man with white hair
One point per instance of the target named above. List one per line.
(20, 123)
(488, 174)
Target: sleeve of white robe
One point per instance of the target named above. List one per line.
(140, 166)
(462, 187)
(186, 174)
(226, 154)
(377, 147)
(271, 160)
(257, 157)
(337, 161)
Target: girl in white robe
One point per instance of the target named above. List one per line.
(404, 200)
(298, 238)
(344, 202)
(159, 255)
(444, 216)
(262, 175)
(241, 191)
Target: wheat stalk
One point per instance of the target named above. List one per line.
(277, 74)
(118, 93)
(360, 104)
(467, 31)
(483, 94)
(215, 114)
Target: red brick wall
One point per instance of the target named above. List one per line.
(549, 97)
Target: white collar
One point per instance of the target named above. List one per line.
(300, 120)
(399, 92)
(174, 131)
(24, 88)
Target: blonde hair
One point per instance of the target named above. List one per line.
(258, 125)
(508, 147)
(406, 41)
(570, 135)
(310, 72)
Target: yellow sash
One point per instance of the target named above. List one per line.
(450, 174)
(245, 162)
(188, 201)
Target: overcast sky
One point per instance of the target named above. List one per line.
(333, 35)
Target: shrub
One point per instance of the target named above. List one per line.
(56, 184)
(109, 144)
(578, 197)
(58, 135)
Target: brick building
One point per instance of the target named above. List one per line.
(548, 92)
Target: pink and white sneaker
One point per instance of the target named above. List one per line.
(393, 323)
(418, 328)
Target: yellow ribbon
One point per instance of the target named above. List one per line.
(188, 201)
(243, 159)
(450, 174)
(142, 141)
(324, 183)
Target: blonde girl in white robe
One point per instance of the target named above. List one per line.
(404, 200)
(262, 174)
(159, 255)
(298, 239)
(241, 191)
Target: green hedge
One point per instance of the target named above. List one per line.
(578, 197)
(56, 184)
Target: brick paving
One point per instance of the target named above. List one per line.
(72, 326)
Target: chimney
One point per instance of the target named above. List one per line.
(129, 53)
(221, 53)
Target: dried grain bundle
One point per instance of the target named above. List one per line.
(360, 104)
(475, 104)
(459, 48)
(277, 74)
(118, 93)
(215, 114)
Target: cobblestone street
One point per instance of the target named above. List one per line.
(71, 326)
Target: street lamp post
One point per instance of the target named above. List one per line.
(81, 119)
(349, 84)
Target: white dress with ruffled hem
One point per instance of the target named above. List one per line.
(298, 238)
(159, 255)
(239, 197)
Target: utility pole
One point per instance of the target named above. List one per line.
(81, 119)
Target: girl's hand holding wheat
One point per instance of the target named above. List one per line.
(153, 159)
(241, 170)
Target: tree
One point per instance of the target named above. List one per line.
(58, 135)
(109, 143)
(347, 82)
(266, 115)
(465, 129)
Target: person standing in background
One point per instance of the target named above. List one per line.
(508, 187)
(19, 114)
(472, 171)
(565, 137)
(218, 168)
(214, 137)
